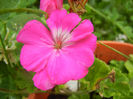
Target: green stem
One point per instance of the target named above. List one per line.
(108, 19)
(66, 92)
(5, 29)
(5, 52)
(17, 91)
(36, 11)
(97, 12)
(114, 50)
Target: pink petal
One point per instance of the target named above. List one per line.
(69, 63)
(86, 27)
(55, 19)
(82, 36)
(34, 58)
(42, 81)
(50, 8)
(60, 19)
(50, 5)
(88, 41)
(70, 21)
(59, 4)
(34, 32)
(44, 4)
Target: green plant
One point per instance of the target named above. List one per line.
(110, 17)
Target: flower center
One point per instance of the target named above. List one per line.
(61, 37)
(58, 45)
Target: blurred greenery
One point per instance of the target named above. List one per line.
(112, 19)
(118, 20)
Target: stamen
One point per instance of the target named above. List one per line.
(58, 45)
(61, 37)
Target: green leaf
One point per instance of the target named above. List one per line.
(129, 31)
(98, 72)
(79, 96)
(131, 57)
(13, 4)
(24, 80)
(131, 18)
(3, 69)
(66, 6)
(6, 82)
(118, 64)
(25, 3)
(126, 29)
(18, 21)
(119, 87)
(123, 97)
(129, 67)
(7, 4)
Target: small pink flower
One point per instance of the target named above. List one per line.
(50, 5)
(63, 53)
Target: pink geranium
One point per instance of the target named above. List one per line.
(50, 5)
(63, 53)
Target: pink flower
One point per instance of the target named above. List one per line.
(63, 53)
(50, 5)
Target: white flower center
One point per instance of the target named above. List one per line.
(60, 38)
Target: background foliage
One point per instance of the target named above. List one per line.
(112, 19)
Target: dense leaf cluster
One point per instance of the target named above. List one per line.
(108, 81)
